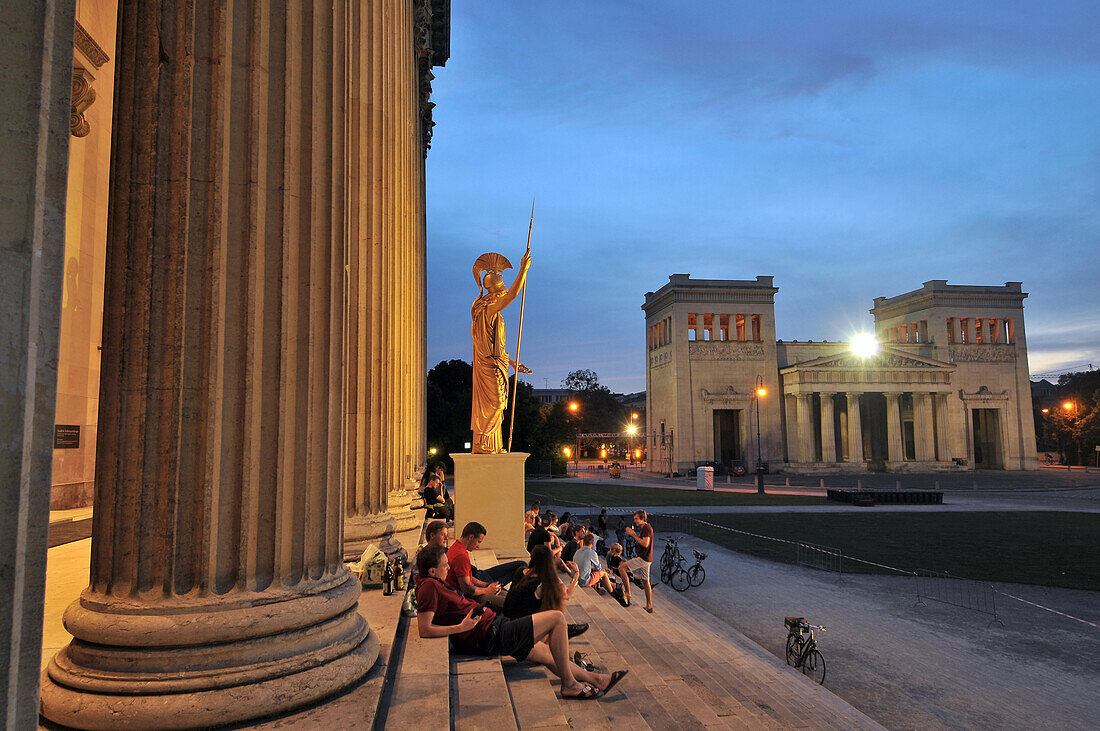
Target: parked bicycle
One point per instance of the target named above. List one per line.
(680, 578)
(802, 653)
(671, 559)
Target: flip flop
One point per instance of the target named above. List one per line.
(588, 693)
(615, 678)
(580, 660)
(648, 609)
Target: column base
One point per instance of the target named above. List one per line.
(380, 529)
(206, 661)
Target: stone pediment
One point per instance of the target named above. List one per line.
(889, 358)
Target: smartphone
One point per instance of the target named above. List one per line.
(478, 612)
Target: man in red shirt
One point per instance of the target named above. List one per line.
(642, 532)
(467, 578)
(443, 612)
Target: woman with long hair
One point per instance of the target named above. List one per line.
(537, 588)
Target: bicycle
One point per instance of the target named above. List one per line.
(801, 651)
(670, 559)
(680, 578)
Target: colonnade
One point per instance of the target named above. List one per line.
(264, 258)
(812, 439)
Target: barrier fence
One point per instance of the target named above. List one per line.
(821, 558)
(937, 586)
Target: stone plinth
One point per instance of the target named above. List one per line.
(489, 490)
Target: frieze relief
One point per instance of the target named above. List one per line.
(984, 393)
(725, 350)
(978, 353)
(660, 358)
(729, 394)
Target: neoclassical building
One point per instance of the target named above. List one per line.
(947, 388)
(205, 212)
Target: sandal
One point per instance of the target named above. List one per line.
(615, 678)
(579, 659)
(588, 693)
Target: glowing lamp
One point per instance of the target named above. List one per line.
(632, 429)
(864, 345)
(761, 391)
(572, 405)
(433, 450)
(1067, 405)
(1046, 411)
(565, 451)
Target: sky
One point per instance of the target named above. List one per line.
(852, 150)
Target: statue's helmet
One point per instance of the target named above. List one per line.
(487, 272)
(494, 283)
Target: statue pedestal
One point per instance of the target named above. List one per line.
(489, 490)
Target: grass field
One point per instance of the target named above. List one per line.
(614, 494)
(1043, 548)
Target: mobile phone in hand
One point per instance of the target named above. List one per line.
(477, 612)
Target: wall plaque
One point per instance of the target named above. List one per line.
(66, 436)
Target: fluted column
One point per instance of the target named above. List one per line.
(894, 444)
(805, 428)
(386, 170)
(218, 592)
(855, 429)
(923, 435)
(828, 434)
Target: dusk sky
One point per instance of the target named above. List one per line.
(850, 149)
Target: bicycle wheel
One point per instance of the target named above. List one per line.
(679, 580)
(697, 574)
(666, 573)
(814, 666)
(794, 648)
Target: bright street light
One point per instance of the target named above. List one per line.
(632, 430)
(1067, 405)
(433, 450)
(573, 406)
(865, 345)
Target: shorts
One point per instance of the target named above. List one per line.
(595, 579)
(639, 568)
(515, 637)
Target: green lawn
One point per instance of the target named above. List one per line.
(1044, 548)
(613, 494)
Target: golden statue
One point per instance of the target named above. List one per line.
(491, 361)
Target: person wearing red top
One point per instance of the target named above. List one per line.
(467, 578)
(642, 532)
(442, 611)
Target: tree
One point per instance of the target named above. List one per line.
(582, 381)
(1077, 429)
(449, 396)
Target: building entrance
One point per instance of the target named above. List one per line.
(727, 437)
(987, 439)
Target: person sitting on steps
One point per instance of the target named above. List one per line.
(436, 534)
(591, 571)
(472, 581)
(444, 612)
(537, 587)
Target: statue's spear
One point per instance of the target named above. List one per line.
(519, 333)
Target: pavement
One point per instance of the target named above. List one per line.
(909, 666)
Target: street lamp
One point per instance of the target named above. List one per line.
(760, 393)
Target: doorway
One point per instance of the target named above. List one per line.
(987, 439)
(727, 437)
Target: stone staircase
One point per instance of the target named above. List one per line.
(687, 670)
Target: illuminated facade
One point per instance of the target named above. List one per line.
(947, 389)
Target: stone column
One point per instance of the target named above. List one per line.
(895, 451)
(923, 434)
(806, 428)
(385, 163)
(794, 446)
(942, 427)
(218, 592)
(828, 433)
(37, 61)
(855, 429)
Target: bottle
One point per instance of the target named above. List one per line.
(387, 580)
(408, 607)
(399, 573)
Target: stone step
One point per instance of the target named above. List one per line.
(479, 694)
(419, 695)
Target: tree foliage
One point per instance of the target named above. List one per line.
(1075, 432)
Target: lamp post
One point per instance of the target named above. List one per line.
(573, 408)
(760, 392)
